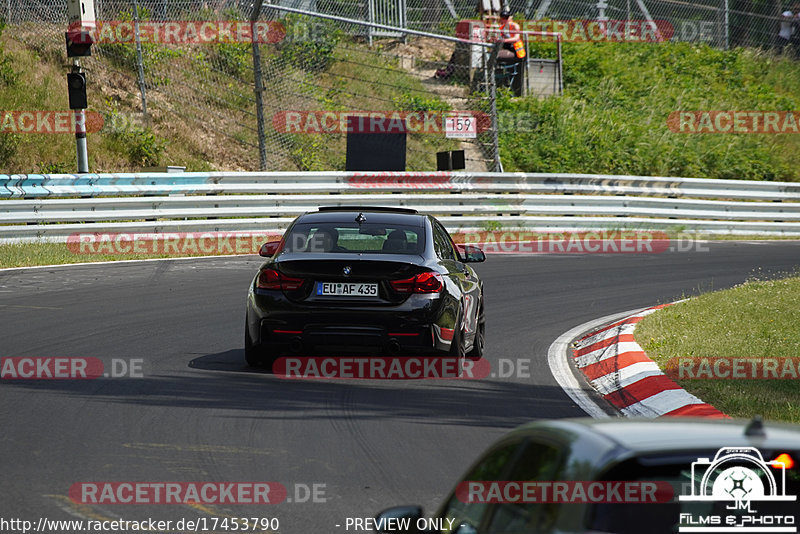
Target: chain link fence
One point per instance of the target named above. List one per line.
(319, 65)
(322, 66)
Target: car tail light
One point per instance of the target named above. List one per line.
(427, 282)
(403, 286)
(272, 279)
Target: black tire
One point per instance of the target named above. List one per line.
(252, 355)
(480, 338)
(457, 348)
(255, 355)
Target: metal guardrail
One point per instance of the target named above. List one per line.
(52, 207)
(122, 184)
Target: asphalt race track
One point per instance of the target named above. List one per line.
(199, 414)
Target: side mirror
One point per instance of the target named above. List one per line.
(398, 519)
(269, 249)
(471, 254)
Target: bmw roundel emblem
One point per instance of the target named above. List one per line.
(347, 270)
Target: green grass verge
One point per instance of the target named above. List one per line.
(30, 254)
(612, 118)
(758, 319)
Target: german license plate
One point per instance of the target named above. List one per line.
(346, 289)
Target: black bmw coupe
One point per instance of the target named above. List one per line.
(384, 279)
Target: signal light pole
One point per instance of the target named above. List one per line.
(76, 83)
(79, 44)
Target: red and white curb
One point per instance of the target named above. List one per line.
(620, 371)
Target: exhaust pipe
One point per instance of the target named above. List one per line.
(296, 344)
(393, 347)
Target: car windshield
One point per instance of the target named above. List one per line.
(367, 238)
(665, 517)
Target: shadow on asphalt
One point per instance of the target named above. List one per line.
(224, 382)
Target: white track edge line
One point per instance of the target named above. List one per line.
(558, 361)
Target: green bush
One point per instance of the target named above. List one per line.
(233, 58)
(61, 167)
(613, 115)
(309, 44)
(418, 102)
(139, 144)
(8, 142)
(7, 74)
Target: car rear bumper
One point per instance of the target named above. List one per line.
(414, 326)
(315, 337)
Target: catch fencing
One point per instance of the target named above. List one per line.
(214, 89)
(234, 95)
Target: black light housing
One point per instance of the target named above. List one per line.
(76, 83)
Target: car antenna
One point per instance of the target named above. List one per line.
(755, 428)
(360, 218)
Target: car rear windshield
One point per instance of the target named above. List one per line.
(683, 477)
(371, 238)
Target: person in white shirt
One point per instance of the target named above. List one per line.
(785, 33)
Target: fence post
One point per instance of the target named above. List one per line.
(491, 64)
(259, 90)
(139, 59)
(727, 26)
